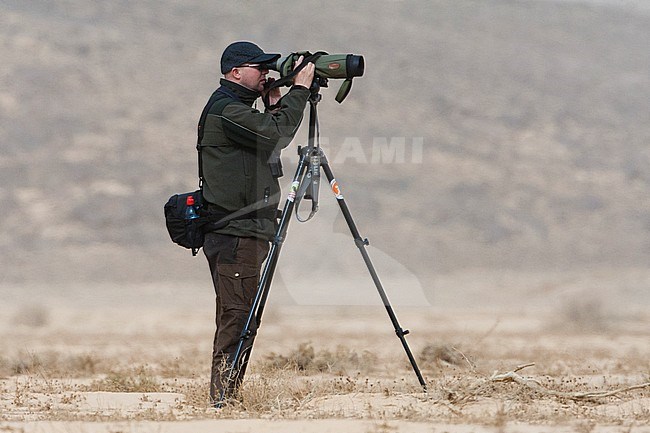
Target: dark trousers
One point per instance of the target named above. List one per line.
(235, 265)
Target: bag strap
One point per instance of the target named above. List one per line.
(219, 94)
(216, 217)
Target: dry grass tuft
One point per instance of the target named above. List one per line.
(53, 363)
(182, 366)
(305, 358)
(275, 391)
(195, 392)
(139, 379)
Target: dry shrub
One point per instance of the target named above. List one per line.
(180, 367)
(32, 363)
(34, 316)
(340, 361)
(585, 313)
(52, 364)
(440, 353)
(284, 391)
(79, 365)
(83, 365)
(195, 393)
(138, 379)
(272, 392)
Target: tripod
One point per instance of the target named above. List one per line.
(305, 183)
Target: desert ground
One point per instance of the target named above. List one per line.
(95, 364)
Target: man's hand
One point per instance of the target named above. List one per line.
(306, 75)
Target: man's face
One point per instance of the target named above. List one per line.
(253, 76)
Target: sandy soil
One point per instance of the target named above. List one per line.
(82, 367)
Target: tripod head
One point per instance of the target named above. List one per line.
(317, 83)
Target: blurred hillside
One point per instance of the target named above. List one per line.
(533, 119)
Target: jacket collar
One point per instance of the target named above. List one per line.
(247, 96)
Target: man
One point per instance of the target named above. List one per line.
(237, 143)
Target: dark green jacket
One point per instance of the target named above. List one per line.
(237, 143)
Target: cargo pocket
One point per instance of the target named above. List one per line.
(237, 285)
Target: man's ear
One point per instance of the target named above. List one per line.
(233, 75)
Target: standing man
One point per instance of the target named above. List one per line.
(239, 155)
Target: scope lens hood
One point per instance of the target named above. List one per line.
(354, 66)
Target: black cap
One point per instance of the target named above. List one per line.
(238, 53)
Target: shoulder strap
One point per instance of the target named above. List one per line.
(215, 216)
(219, 94)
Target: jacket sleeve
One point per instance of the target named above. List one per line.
(267, 131)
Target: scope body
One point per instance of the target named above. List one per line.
(337, 66)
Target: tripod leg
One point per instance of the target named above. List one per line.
(242, 353)
(361, 244)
